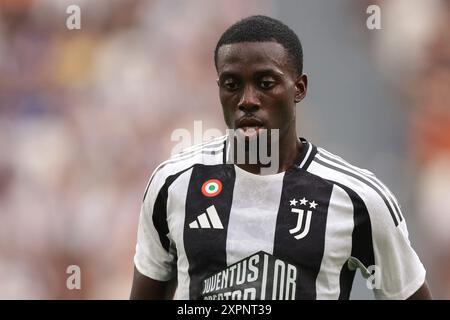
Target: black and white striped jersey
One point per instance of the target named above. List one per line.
(226, 233)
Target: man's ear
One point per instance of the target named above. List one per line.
(301, 85)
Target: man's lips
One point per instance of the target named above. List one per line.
(245, 123)
(249, 127)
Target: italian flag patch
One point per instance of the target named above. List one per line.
(211, 188)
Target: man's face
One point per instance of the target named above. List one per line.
(258, 87)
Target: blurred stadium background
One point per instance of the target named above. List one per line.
(86, 115)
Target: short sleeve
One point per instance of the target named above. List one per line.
(398, 272)
(154, 257)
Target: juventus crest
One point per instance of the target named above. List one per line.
(304, 216)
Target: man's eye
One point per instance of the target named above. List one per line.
(230, 85)
(267, 84)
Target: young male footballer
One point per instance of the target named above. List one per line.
(225, 229)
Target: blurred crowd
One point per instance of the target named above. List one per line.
(413, 54)
(430, 146)
(86, 115)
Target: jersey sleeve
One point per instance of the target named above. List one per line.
(398, 272)
(154, 256)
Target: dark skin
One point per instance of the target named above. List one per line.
(149, 289)
(258, 83)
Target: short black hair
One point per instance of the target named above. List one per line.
(261, 29)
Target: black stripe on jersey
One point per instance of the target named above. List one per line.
(362, 174)
(306, 155)
(306, 252)
(160, 210)
(186, 156)
(224, 152)
(362, 244)
(346, 277)
(206, 247)
(364, 180)
(311, 157)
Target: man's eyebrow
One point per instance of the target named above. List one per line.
(227, 74)
(270, 71)
(266, 71)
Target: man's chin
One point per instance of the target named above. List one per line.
(249, 133)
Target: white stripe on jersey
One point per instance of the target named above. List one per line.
(337, 249)
(251, 229)
(307, 155)
(207, 149)
(336, 157)
(175, 221)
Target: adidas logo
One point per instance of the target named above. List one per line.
(209, 219)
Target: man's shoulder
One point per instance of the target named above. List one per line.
(347, 175)
(336, 161)
(360, 184)
(207, 153)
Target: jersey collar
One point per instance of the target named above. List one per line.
(306, 155)
(303, 160)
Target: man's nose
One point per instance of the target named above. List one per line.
(249, 101)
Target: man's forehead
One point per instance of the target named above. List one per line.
(269, 52)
